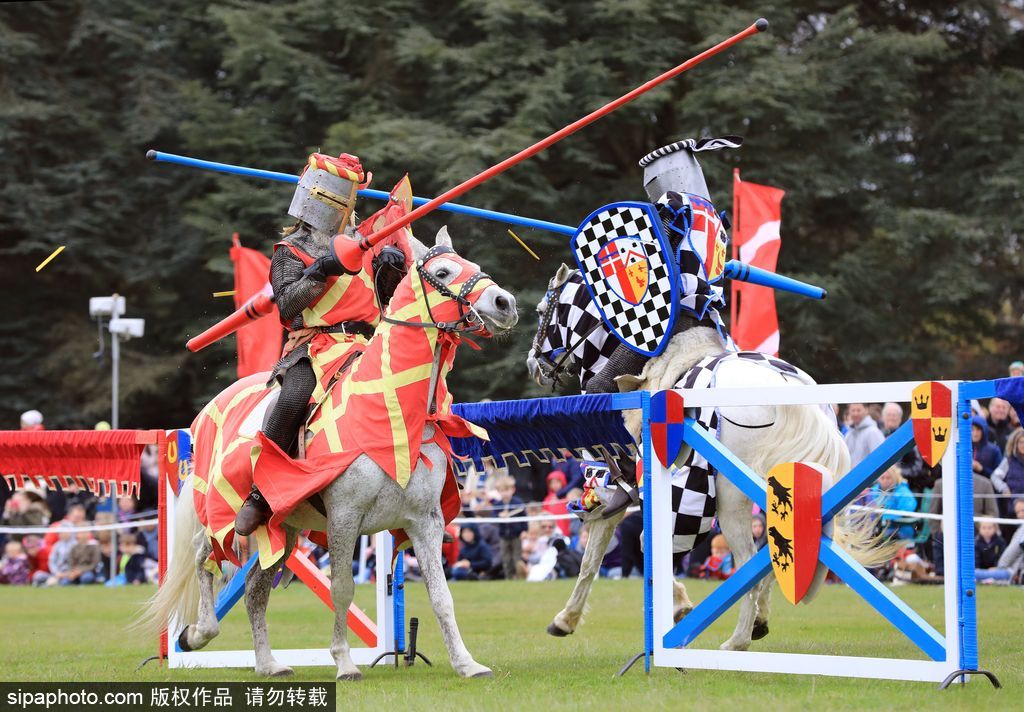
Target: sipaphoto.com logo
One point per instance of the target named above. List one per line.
(69, 697)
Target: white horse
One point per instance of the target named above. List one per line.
(571, 339)
(363, 499)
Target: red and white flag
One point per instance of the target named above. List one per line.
(259, 341)
(757, 210)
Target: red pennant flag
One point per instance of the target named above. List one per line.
(259, 341)
(757, 210)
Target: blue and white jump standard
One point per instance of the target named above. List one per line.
(945, 656)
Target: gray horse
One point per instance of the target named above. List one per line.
(363, 499)
(571, 338)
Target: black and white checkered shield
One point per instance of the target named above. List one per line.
(623, 255)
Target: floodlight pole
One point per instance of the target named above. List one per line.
(115, 364)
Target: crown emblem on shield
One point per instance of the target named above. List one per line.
(932, 417)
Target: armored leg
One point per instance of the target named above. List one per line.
(623, 361)
(282, 427)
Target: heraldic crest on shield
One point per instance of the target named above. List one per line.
(621, 251)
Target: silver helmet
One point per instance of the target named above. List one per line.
(674, 167)
(326, 193)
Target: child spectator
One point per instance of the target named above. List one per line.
(133, 559)
(719, 564)
(988, 546)
(14, 567)
(474, 555)
(986, 455)
(38, 558)
(60, 555)
(553, 504)
(508, 505)
(83, 560)
(757, 530)
(891, 492)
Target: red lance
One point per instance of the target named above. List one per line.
(349, 250)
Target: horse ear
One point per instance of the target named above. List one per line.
(418, 249)
(561, 275)
(443, 239)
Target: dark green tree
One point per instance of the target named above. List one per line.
(892, 127)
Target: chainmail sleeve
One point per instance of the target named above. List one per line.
(293, 291)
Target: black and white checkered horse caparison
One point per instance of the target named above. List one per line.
(694, 498)
(693, 483)
(575, 315)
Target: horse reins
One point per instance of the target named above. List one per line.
(468, 320)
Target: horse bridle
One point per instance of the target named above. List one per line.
(468, 320)
(553, 369)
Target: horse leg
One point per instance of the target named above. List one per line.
(426, 536)
(206, 628)
(734, 518)
(258, 583)
(601, 532)
(764, 607)
(342, 533)
(681, 603)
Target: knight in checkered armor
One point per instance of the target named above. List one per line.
(675, 184)
(328, 313)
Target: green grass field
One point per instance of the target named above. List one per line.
(73, 634)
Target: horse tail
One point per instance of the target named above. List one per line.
(806, 433)
(178, 596)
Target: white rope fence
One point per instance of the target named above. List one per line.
(89, 528)
(928, 515)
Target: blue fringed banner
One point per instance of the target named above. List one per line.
(542, 426)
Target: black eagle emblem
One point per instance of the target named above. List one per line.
(783, 549)
(783, 503)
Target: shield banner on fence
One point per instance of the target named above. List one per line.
(667, 414)
(626, 263)
(931, 412)
(794, 526)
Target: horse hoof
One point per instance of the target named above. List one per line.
(558, 632)
(482, 673)
(276, 670)
(350, 676)
(760, 630)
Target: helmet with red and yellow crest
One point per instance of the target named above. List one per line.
(326, 193)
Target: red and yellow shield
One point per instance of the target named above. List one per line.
(794, 525)
(931, 411)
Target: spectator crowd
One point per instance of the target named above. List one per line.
(515, 521)
(73, 544)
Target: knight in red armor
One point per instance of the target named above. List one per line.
(329, 313)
